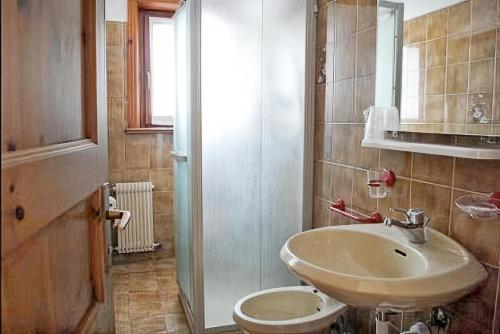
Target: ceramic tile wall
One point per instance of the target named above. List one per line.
(137, 157)
(345, 87)
(450, 68)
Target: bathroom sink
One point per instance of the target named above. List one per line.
(375, 266)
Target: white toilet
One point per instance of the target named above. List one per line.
(296, 309)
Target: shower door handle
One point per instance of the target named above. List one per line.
(179, 157)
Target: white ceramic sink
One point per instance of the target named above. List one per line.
(374, 266)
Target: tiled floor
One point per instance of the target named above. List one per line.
(146, 298)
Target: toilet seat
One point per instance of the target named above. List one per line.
(295, 309)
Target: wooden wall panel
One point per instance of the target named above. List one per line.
(41, 73)
(45, 283)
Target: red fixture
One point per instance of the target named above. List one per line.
(495, 199)
(386, 176)
(339, 207)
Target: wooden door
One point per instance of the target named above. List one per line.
(54, 158)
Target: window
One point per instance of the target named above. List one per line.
(157, 69)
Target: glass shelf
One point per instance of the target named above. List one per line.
(480, 207)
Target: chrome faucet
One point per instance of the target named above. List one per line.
(414, 227)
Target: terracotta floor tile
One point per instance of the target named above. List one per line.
(149, 325)
(146, 297)
(143, 282)
(123, 327)
(121, 304)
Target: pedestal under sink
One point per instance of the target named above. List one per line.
(375, 266)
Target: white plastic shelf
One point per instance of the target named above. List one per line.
(437, 149)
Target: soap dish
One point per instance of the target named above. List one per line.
(480, 207)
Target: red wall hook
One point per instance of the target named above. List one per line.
(339, 207)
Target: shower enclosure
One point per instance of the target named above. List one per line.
(243, 148)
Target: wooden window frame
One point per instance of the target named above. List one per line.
(134, 77)
(146, 117)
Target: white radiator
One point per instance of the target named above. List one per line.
(137, 198)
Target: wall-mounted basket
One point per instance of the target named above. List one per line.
(480, 207)
(380, 182)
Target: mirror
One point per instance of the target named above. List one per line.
(436, 62)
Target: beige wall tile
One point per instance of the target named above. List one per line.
(434, 109)
(435, 201)
(330, 62)
(361, 201)
(477, 175)
(437, 23)
(458, 49)
(483, 45)
(484, 14)
(497, 61)
(364, 96)
(459, 18)
(457, 79)
(162, 178)
(322, 179)
(116, 176)
(161, 146)
(115, 66)
(323, 142)
(496, 109)
(162, 225)
(136, 175)
(455, 108)
(345, 19)
(397, 161)
(319, 107)
(116, 148)
(418, 29)
(481, 76)
(344, 60)
(343, 143)
(367, 14)
(365, 52)
(435, 81)
(341, 183)
(137, 151)
(329, 95)
(432, 168)
(321, 213)
(343, 102)
(163, 202)
(115, 33)
(436, 52)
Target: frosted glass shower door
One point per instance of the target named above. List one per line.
(231, 102)
(180, 154)
(253, 72)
